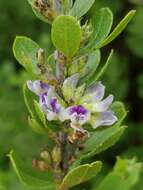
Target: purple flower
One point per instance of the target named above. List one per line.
(78, 116)
(38, 87)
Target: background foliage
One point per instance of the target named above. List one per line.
(124, 78)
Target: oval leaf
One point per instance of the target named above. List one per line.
(66, 35)
(119, 28)
(101, 22)
(81, 174)
(25, 51)
(81, 7)
(30, 176)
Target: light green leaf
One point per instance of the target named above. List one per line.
(37, 12)
(81, 7)
(25, 51)
(124, 176)
(30, 176)
(119, 28)
(81, 174)
(66, 35)
(97, 75)
(105, 137)
(91, 66)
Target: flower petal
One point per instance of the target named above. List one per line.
(51, 116)
(97, 90)
(63, 115)
(93, 94)
(103, 105)
(106, 118)
(38, 87)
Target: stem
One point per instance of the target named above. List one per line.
(61, 60)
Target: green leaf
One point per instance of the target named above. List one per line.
(97, 75)
(91, 66)
(36, 126)
(25, 51)
(66, 35)
(39, 112)
(81, 174)
(36, 119)
(29, 99)
(81, 7)
(37, 12)
(119, 28)
(30, 176)
(124, 176)
(101, 23)
(105, 137)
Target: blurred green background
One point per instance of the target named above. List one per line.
(124, 78)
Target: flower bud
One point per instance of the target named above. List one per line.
(41, 56)
(56, 154)
(45, 156)
(41, 165)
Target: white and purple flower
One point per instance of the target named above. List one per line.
(52, 109)
(38, 87)
(86, 106)
(98, 109)
(48, 100)
(78, 116)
